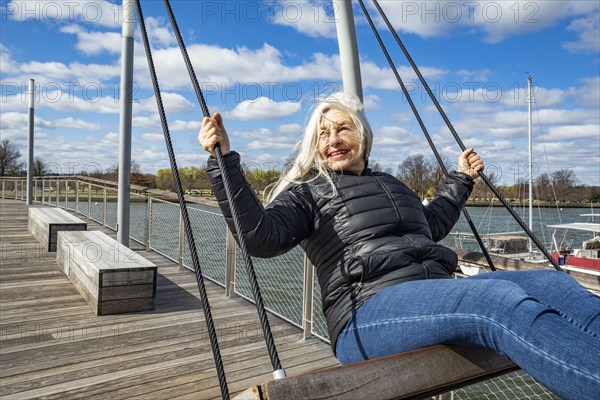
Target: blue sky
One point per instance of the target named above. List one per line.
(262, 64)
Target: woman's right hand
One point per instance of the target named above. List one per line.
(212, 132)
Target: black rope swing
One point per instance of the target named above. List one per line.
(279, 372)
(484, 178)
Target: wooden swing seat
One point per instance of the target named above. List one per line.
(416, 374)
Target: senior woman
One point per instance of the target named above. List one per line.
(385, 281)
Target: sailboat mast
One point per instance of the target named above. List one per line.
(530, 96)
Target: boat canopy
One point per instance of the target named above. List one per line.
(580, 226)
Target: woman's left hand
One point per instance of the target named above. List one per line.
(470, 163)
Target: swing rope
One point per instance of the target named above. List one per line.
(425, 131)
(485, 179)
(279, 372)
(184, 212)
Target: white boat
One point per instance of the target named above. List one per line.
(587, 257)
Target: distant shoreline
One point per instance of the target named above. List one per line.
(542, 205)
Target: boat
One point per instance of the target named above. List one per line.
(513, 245)
(587, 257)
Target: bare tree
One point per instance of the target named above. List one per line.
(564, 181)
(9, 159)
(416, 173)
(543, 187)
(40, 167)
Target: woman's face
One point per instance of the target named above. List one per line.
(339, 144)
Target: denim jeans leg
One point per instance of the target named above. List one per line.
(559, 291)
(493, 313)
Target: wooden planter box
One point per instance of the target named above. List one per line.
(111, 278)
(45, 222)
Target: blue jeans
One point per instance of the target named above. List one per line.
(544, 321)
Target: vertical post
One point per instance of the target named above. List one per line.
(530, 150)
(43, 189)
(126, 100)
(229, 264)
(307, 299)
(149, 224)
(3, 187)
(89, 200)
(104, 208)
(16, 181)
(181, 239)
(66, 194)
(31, 93)
(57, 191)
(346, 34)
(77, 195)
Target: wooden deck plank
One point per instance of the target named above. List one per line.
(53, 346)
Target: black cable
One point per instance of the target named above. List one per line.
(485, 179)
(184, 212)
(425, 131)
(262, 314)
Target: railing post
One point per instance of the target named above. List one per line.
(57, 191)
(66, 194)
(89, 200)
(2, 188)
(16, 190)
(229, 264)
(149, 224)
(77, 195)
(181, 239)
(104, 207)
(307, 299)
(43, 189)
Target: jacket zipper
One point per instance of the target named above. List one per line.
(391, 199)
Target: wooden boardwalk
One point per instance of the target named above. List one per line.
(52, 346)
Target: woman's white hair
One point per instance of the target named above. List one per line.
(308, 164)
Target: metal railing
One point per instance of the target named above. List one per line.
(289, 288)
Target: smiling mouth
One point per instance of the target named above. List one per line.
(337, 154)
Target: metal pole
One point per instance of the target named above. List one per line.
(307, 301)
(230, 264)
(149, 224)
(31, 93)
(104, 206)
(126, 101)
(530, 149)
(181, 239)
(346, 34)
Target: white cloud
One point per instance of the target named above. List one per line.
(588, 29)
(588, 94)
(263, 108)
(153, 137)
(173, 102)
(94, 43)
(98, 12)
(497, 20)
(574, 132)
(158, 33)
(15, 120)
(9, 66)
(312, 18)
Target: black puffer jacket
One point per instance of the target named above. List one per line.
(374, 233)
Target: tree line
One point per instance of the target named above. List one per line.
(421, 174)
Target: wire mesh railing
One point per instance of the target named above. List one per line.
(156, 224)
